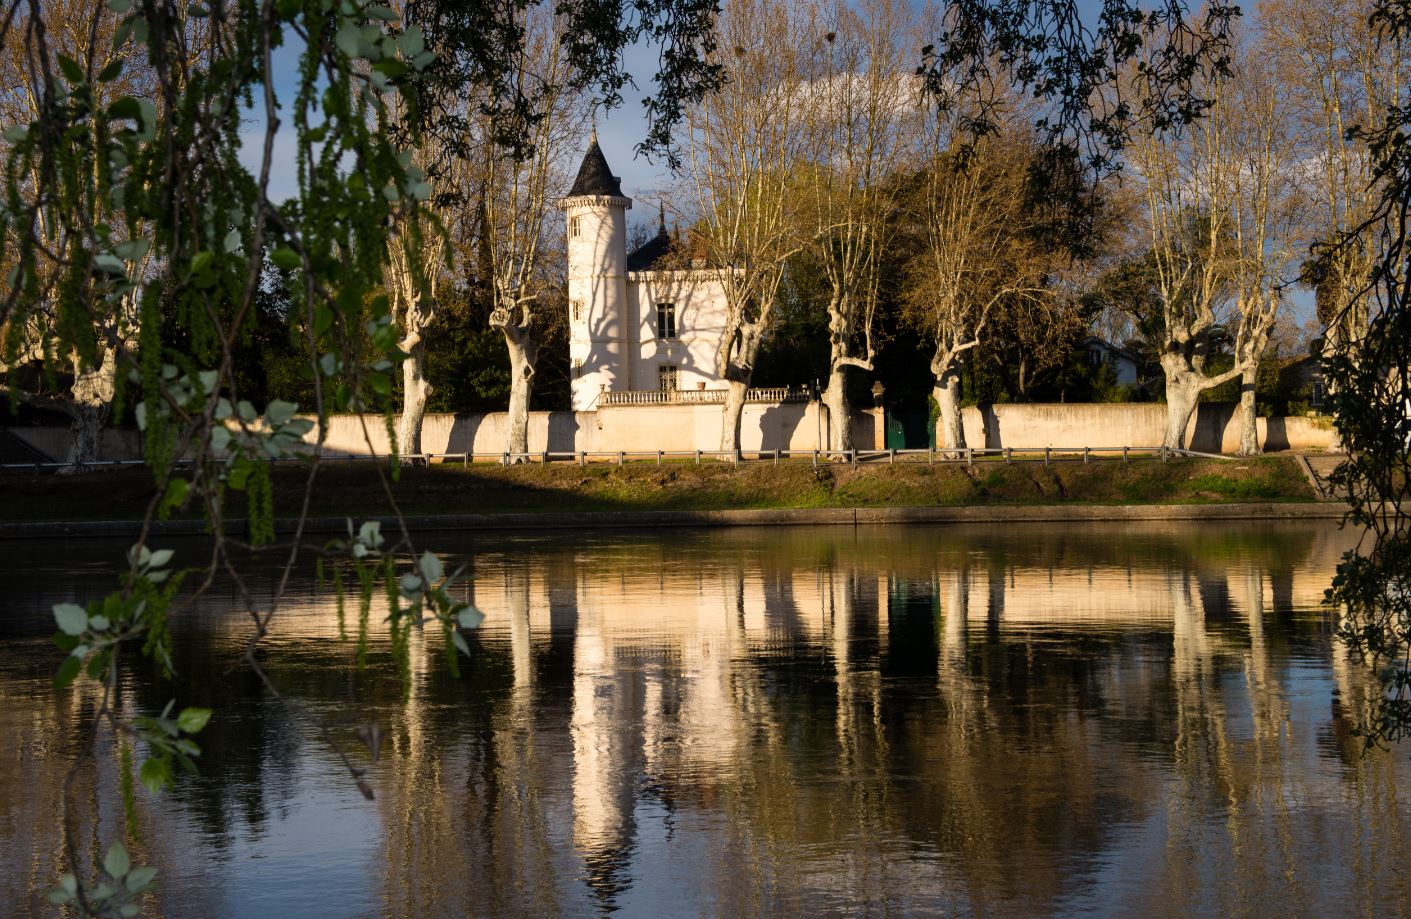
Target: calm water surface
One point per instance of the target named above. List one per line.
(1144, 720)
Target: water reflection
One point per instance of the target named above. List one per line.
(1109, 720)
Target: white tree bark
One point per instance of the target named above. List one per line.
(1246, 417)
(731, 413)
(1184, 384)
(524, 354)
(950, 433)
(90, 403)
(415, 391)
(835, 400)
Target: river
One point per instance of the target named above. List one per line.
(1096, 719)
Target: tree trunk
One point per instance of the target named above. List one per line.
(92, 399)
(835, 399)
(524, 351)
(950, 433)
(731, 413)
(415, 392)
(1182, 393)
(1245, 414)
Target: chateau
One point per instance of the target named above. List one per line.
(649, 320)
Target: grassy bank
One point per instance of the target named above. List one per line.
(354, 490)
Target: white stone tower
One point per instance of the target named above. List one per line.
(596, 211)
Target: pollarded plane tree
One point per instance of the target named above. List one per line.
(416, 271)
(860, 124)
(1341, 74)
(1268, 204)
(519, 185)
(1187, 180)
(975, 255)
(744, 141)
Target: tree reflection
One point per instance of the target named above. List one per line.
(803, 722)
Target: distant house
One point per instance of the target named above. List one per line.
(1125, 365)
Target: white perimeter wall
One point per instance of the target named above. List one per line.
(791, 426)
(1212, 429)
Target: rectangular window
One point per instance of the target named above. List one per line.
(577, 310)
(578, 369)
(574, 225)
(666, 377)
(666, 320)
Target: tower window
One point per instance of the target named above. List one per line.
(578, 369)
(667, 375)
(575, 226)
(577, 309)
(666, 320)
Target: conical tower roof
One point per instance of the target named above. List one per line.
(594, 176)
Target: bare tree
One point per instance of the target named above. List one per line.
(519, 185)
(864, 106)
(1187, 178)
(1338, 72)
(415, 267)
(743, 141)
(1267, 216)
(975, 256)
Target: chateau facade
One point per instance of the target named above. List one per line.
(650, 320)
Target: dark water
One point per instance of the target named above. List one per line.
(1145, 720)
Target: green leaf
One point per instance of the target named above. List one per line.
(139, 878)
(15, 133)
(111, 71)
(379, 383)
(285, 258)
(278, 412)
(288, 9)
(458, 640)
(116, 862)
(132, 250)
(71, 617)
(126, 107)
(470, 618)
(349, 40)
(119, 6)
(160, 558)
(67, 671)
(155, 774)
(202, 262)
(192, 720)
(72, 72)
(431, 568)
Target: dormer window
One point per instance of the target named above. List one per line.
(577, 310)
(575, 226)
(666, 321)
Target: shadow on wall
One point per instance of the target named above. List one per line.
(562, 433)
(777, 427)
(463, 431)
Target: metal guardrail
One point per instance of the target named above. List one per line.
(699, 396)
(932, 456)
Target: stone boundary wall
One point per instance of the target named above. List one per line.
(1212, 429)
(792, 426)
(678, 428)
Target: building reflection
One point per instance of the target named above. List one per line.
(798, 722)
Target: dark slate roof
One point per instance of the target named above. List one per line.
(594, 176)
(650, 252)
